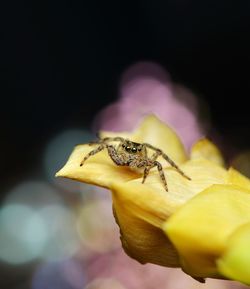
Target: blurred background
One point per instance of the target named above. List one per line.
(72, 68)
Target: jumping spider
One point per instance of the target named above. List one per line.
(133, 155)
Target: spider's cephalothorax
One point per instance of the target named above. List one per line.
(133, 155)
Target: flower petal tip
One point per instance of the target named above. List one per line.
(204, 148)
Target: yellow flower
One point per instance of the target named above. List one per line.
(202, 225)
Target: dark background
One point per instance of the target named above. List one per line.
(62, 62)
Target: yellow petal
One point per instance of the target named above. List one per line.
(206, 149)
(203, 174)
(235, 262)
(98, 169)
(101, 170)
(155, 132)
(236, 178)
(141, 240)
(201, 228)
(141, 209)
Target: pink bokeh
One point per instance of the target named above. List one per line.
(133, 275)
(146, 89)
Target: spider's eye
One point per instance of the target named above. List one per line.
(127, 149)
(134, 150)
(139, 149)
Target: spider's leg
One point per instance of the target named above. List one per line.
(161, 173)
(91, 153)
(151, 164)
(147, 165)
(116, 158)
(145, 174)
(155, 155)
(173, 164)
(151, 147)
(159, 152)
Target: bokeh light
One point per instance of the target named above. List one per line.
(62, 237)
(33, 193)
(68, 274)
(105, 283)
(133, 275)
(23, 234)
(57, 152)
(147, 89)
(96, 226)
(35, 223)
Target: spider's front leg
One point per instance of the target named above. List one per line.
(159, 152)
(93, 152)
(116, 158)
(174, 165)
(160, 170)
(161, 173)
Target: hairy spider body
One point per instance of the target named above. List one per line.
(134, 155)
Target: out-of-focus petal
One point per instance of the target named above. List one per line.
(206, 149)
(236, 178)
(201, 228)
(235, 262)
(155, 132)
(142, 241)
